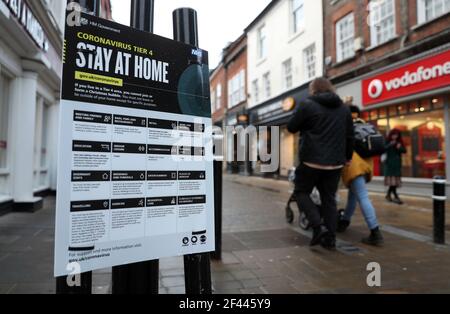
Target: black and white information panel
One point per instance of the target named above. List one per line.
(135, 173)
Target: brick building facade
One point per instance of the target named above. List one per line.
(392, 58)
(229, 96)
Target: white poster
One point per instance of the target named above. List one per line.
(135, 172)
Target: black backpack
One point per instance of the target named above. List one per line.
(369, 142)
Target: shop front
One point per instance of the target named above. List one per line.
(413, 97)
(30, 67)
(278, 112)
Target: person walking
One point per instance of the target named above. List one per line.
(355, 177)
(326, 146)
(395, 148)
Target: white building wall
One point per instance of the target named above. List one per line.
(283, 44)
(33, 104)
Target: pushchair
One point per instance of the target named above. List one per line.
(292, 204)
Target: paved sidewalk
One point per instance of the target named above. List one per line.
(262, 254)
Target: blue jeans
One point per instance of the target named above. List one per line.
(358, 194)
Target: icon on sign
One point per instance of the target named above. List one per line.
(142, 176)
(105, 204)
(107, 119)
(185, 240)
(105, 176)
(174, 201)
(202, 176)
(174, 175)
(141, 148)
(141, 203)
(194, 240)
(375, 89)
(203, 239)
(174, 126)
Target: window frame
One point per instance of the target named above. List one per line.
(287, 74)
(307, 63)
(262, 42)
(267, 85)
(339, 51)
(255, 90)
(5, 99)
(218, 100)
(374, 41)
(422, 14)
(295, 29)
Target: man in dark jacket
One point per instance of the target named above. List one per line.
(326, 146)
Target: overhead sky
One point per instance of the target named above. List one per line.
(220, 22)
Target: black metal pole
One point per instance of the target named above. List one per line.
(185, 26)
(218, 187)
(197, 267)
(64, 284)
(142, 15)
(439, 199)
(138, 278)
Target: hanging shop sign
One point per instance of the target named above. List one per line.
(135, 176)
(289, 104)
(420, 76)
(22, 12)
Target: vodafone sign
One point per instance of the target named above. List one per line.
(420, 76)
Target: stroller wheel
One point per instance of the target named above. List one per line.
(289, 215)
(303, 222)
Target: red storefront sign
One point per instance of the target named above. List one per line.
(424, 75)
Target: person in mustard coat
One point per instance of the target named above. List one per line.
(355, 177)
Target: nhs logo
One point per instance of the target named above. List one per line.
(197, 53)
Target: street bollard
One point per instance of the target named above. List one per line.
(138, 278)
(218, 187)
(197, 267)
(439, 199)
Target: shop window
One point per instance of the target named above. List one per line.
(403, 109)
(365, 116)
(382, 113)
(424, 137)
(374, 115)
(392, 111)
(438, 103)
(4, 114)
(425, 105)
(41, 158)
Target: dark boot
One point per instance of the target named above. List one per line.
(397, 201)
(342, 225)
(328, 241)
(375, 238)
(318, 234)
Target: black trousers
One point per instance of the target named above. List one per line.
(327, 182)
